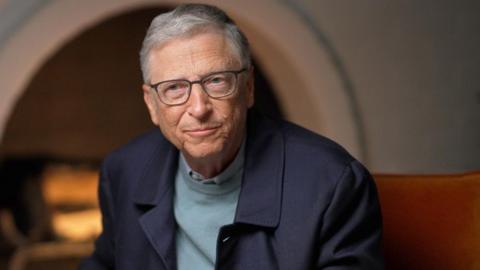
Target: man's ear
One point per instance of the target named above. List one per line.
(250, 87)
(151, 102)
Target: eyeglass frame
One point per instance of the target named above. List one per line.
(200, 82)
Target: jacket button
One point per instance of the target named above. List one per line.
(225, 239)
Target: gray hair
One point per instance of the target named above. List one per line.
(190, 19)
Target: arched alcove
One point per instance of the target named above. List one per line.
(306, 83)
(86, 99)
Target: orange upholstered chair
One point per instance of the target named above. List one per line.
(431, 221)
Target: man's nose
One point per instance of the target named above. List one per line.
(199, 102)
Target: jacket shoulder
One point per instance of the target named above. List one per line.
(137, 147)
(309, 144)
(131, 158)
(317, 163)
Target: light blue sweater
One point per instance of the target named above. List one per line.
(201, 207)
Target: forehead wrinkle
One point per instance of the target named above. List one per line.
(212, 63)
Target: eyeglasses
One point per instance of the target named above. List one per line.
(215, 85)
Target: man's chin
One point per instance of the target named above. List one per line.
(202, 150)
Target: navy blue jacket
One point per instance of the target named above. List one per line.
(305, 203)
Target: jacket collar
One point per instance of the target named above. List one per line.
(158, 174)
(260, 197)
(263, 171)
(154, 195)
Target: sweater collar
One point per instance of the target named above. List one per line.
(232, 169)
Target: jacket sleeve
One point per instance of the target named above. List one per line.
(103, 254)
(351, 233)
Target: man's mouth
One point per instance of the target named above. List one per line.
(202, 132)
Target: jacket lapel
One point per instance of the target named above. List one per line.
(261, 193)
(154, 194)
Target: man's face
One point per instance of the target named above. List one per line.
(202, 128)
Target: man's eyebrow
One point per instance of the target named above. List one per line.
(201, 76)
(216, 71)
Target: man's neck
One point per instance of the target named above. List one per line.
(210, 167)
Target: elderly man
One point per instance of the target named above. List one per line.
(220, 186)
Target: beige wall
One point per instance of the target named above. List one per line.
(415, 66)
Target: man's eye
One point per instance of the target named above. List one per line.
(216, 80)
(174, 87)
